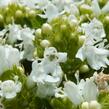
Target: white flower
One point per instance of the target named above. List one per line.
(8, 57)
(46, 81)
(51, 12)
(25, 35)
(96, 57)
(10, 88)
(47, 72)
(40, 73)
(56, 8)
(94, 30)
(14, 33)
(28, 36)
(80, 93)
(93, 49)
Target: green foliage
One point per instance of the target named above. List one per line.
(59, 103)
(104, 100)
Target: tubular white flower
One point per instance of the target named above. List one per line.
(47, 72)
(93, 49)
(48, 69)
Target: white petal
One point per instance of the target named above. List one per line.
(51, 79)
(80, 54)
(10, 95)
(95, 7)
(51, 12)
(72, 92)
(18, 87)
(105, 9)
(90, 91)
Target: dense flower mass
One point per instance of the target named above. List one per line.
(45, 45)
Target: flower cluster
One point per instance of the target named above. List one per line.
(45, 45)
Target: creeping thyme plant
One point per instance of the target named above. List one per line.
(54, 54)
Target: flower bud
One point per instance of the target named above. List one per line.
(63, 27)
(45, 43)
(106, 19)
(38, 32)
(64, 18)
(1, 18)
(46, 28)
(19, 13)
(85, 9)
(82, 39)
(32, 13)
(21, 69)
(74, 23)
(6, 9)
(85, 105)
(94, 105)
(84, 68)
(27, 9)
